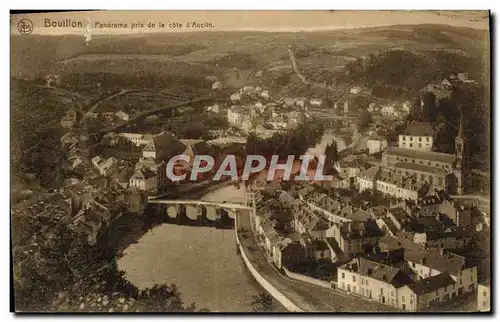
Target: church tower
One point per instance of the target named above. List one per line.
(459, 157)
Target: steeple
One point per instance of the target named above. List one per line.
(459, 156)
(460, 126)
(459, 143)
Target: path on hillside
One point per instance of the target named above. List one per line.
(295, 67)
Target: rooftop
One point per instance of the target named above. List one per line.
(425, 155)
(419, 129)
(357, 230)
(432, 283)
(420, 167)
(370, 173)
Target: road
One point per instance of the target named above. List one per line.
(309, 297)
(97, 104)
(153, 111)
(295, 67)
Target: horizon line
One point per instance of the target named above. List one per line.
(118, 32)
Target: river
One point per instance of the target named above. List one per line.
(201, 261)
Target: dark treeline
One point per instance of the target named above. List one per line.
(145, 80)
(397, 73)
(295, 142)
(469, 103)
(67, 274)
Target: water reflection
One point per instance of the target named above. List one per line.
(202, 261)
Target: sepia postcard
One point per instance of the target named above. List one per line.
(250, 161)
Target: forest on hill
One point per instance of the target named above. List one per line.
(398, 73)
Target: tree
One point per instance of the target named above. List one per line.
(263, 302)
(331, 155)
(364, 120)
(429, 109)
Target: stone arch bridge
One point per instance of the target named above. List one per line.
(200, 211)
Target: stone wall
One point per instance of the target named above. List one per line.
(308, 279)
(280, 297)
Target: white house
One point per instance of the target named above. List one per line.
(137, 139)
(234, 115)
(417, 136)
(217, 85)
(376, 144)
(483, 297)
(355, 90)
(388, 110)
(367, 179)
(264, 94)
(144, 179)
(213, 108)
(122, 115)
(236, 97)
(104, 166)
(315, 102)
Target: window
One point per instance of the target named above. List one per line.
(411, 139)
(411, 145)
(343, 275)
(413, 265)
(413, 161)
(472, 278)
(445, 287)
(403, 298)
(427, 139)
(471, 287)
(366, 282)
(437, 292)
(420, 145)
(354, 278)
(484, 293)
(419, 139)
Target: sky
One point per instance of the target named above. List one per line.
(247, 20)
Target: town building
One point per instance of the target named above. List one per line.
(400, 187)
(354, 238)
(315, 102)
(390, 278)
(138, 139)
(163, 147)
(367, 180)
(217, 85)
(355, 90)
(104, 166)
(376, 144)
(122, 116)
(235, 97)
(417, 136)
(145, 180)
(483, 297)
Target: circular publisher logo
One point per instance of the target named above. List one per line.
(25, 26)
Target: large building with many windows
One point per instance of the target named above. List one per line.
(421, 166)
(417, 136)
